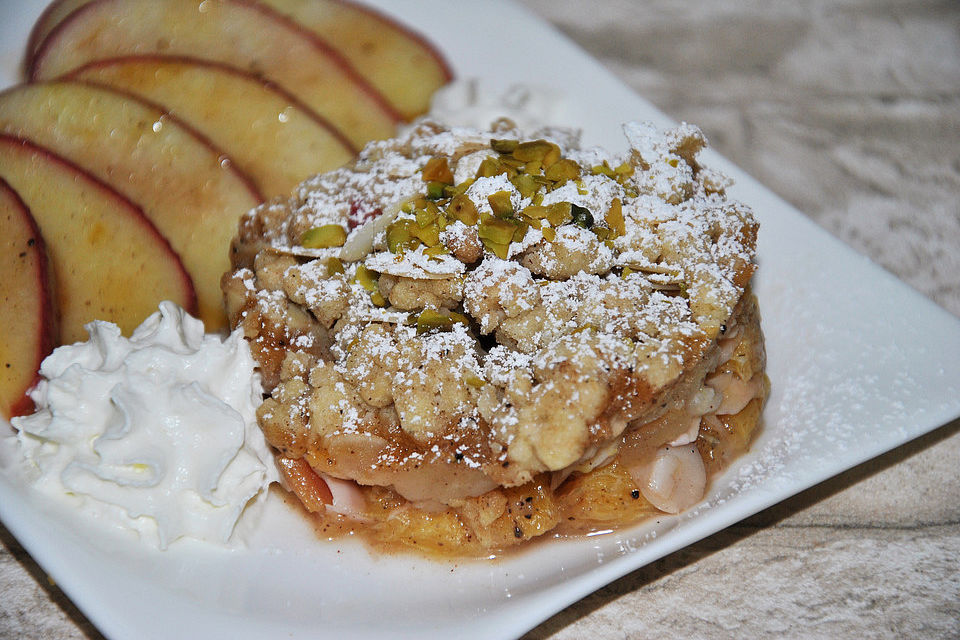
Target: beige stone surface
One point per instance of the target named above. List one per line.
(850, 110)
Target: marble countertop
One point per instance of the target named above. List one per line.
(850, 110)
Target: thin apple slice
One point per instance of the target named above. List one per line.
(185, 186)
(109, 261)
(51, 16)
(26, 304)
(267, 133)
(239, 33)
(401, 64)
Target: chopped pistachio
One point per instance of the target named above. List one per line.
(535, 212)
(520, 232)
(552, 155)
(559, 213)
(525, 184)
(437, 170)
(324, 237)
(366, 278)
(563, 171)
(503, 146)
(603, 169)
(589, 326)
(462, 208)
(459, 317)
(462, 187)
(334, 265)
(499, 249)
(430, 319)
(435, 190)
(401, 236)
(549, 233)
(436, 250)
(429, 235)
(614, 218)
(377, 298)
(489, 168)
(500, 203)
(425, 217)
(474, 381)
(497, 230)
(546, 153)
(581, 216)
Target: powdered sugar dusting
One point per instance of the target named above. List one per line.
(560, 277)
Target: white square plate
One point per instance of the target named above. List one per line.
(859, 364)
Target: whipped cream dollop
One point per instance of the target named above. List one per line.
(157, 433)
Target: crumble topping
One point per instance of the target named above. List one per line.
(499, 303)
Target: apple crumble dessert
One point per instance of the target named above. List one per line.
(473, 338)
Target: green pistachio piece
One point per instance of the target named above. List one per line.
(437, 170)
(435, 190)
(500, 203)
(581, 216)
(401, 236)
(429, 235)
(563, 171)
(602, 232)
(489, 168)
(425, 217)
(503, 146)
(474, 381)
(525, 184)
(497, 230)
(614, 218)
(436, 250)
(366, 278)
(546, 153)
(535, 212)
(520, 232)
(462, 208)
(430, 319)
(334, 265)
(559, 213)
(603, 169)
(324, 237)
(499, 249)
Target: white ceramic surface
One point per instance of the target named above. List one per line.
(859, 364)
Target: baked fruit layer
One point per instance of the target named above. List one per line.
(463, 322)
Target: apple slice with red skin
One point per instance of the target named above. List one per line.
(400, 63)
(109, 261)
(269, 135)
(26, 304)
(185, 186)
(239, 33)
(52, 15)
